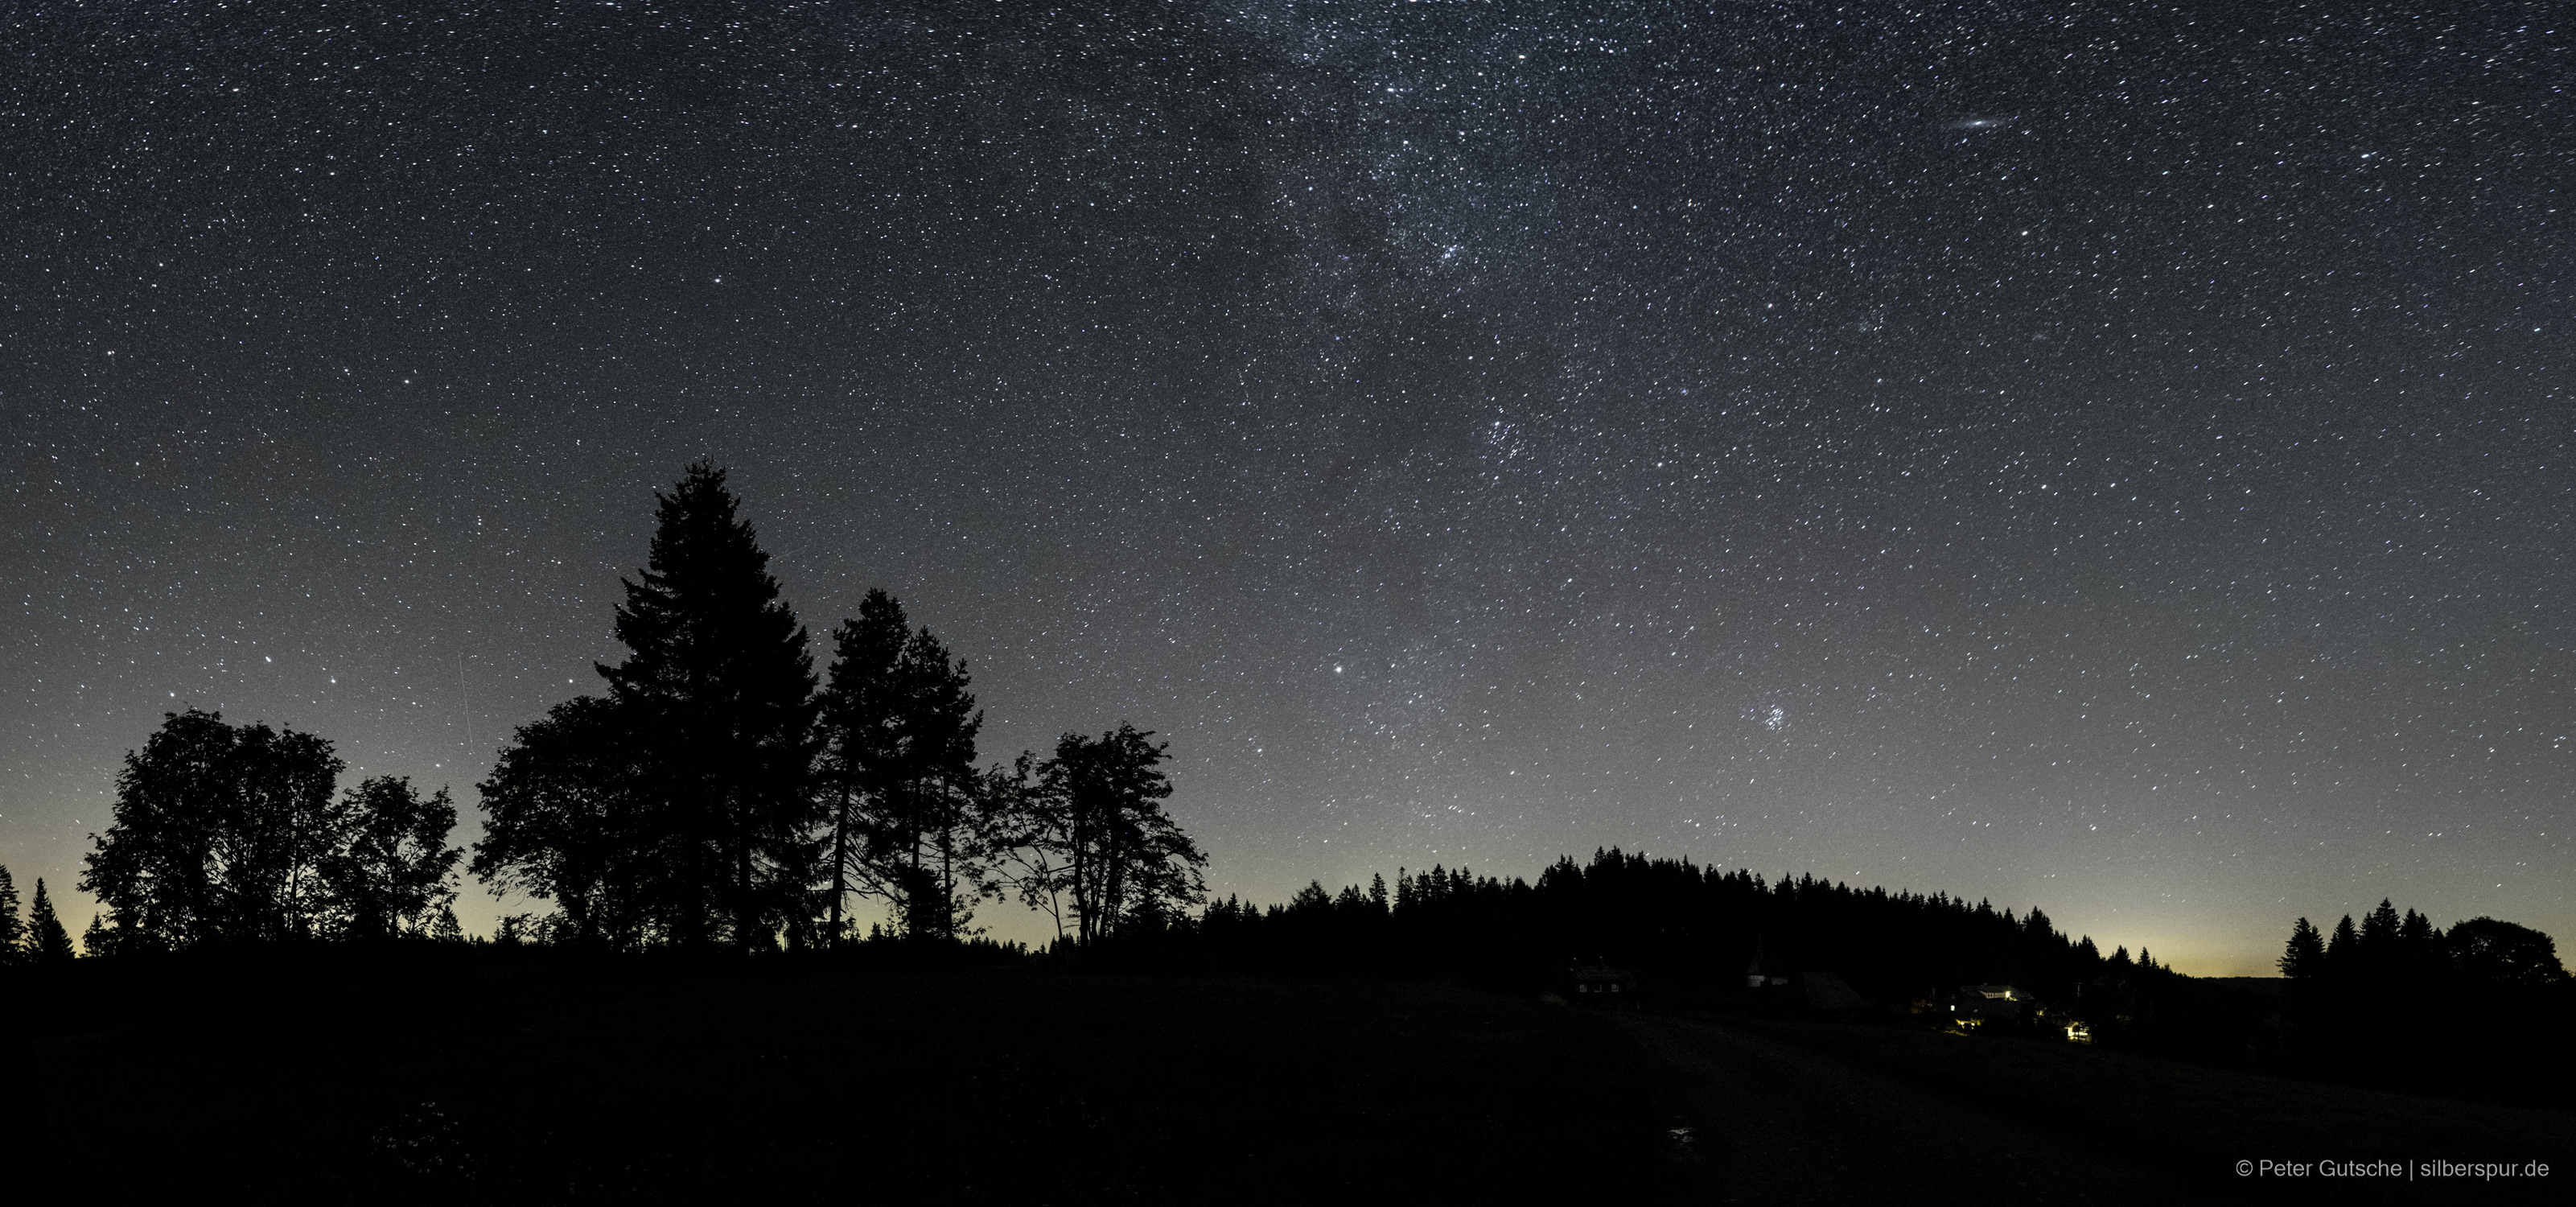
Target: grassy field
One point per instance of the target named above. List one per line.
(666, 1084)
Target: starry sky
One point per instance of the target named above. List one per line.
(2108, 456)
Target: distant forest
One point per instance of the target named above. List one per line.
(722, 796)
(2484, 1007)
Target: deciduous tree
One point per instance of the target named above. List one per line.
(1121, 860)
(569, 818)
(218, 831)
(393, 868)
(2495, 952)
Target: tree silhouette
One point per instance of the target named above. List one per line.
(46, 941)
(2421, 954)
(2484, 1004)
(911, 818)
(720, 682)
(231, 833)
(2305, 955)
(13, 930)
(2376, 956)
(2504, 954)
(567, 813)
(680, 808)
(2343, 952)
(1029, 846)
(393, 866)
(218, 833)
(1121, 860)
(861, 741)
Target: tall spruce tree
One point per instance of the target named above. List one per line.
(46, 942)
(2343, 951)
(2376, 956)
(720, 681)
(2420, 955)
(2305, 954)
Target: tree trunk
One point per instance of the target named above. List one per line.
(840, 863)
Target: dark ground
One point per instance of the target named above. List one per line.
(671, 1084)
(1817, 1112)
(668, 1082)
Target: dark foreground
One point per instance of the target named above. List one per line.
(662, 1084)
(1806, 1112)
(787, 1083)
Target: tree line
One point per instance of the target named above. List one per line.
(233, 833)
(38, 938)
(2387, 951)
(1691, 927)
(2483, 1007)
(718, 794)
(2396, 1000)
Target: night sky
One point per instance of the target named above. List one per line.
(2114, 457)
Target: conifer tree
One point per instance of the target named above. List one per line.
(912, 820)
(2417, 929)
(2305, 956)
(862, 743)
(938, 824)
(720, 681)
(2343, 951)
(2375, 958)
(46, 941)
(13, 931)
(2379, 930)
(2420, 954)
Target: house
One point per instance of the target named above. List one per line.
(1979, 1004)
(1602, 983)
(1760, 974)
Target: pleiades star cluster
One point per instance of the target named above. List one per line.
(2108, 456)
